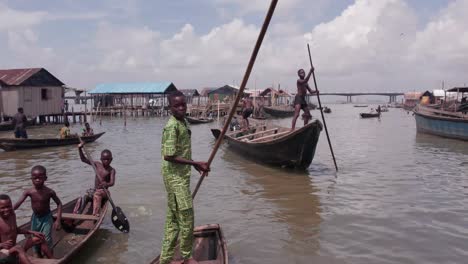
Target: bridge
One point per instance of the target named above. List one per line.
(392, 96)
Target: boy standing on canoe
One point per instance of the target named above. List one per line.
(247, 110)
(19, 123)
(42, 220)
(177, 158)
(105, 178)
(300, 98)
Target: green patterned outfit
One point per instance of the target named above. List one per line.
(179, 217)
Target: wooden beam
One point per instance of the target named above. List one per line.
(78, 216)
(270, 136)
(257, 133)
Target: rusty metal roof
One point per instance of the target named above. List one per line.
(17, 76)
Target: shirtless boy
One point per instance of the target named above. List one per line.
(41, 219)
(300, 99)
(105, 178)
(10, 252)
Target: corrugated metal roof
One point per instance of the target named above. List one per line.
(134, 88)
(17, 76)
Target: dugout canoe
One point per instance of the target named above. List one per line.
(76, 230)
(279, 111)
(195, 120)
(326, 110)
(10, 144)
(369, 115)
(209, 246)
(276, 145)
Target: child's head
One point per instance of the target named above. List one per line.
(177, 104)
(20, 110)
(87, 125)
(106, 158)
(38, 175)
(6, 207)
(67, 124)
(301, 73)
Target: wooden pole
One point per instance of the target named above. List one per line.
(321, 111)
(258, 44)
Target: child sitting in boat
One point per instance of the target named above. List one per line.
(10, 252)
(87, 130)
(65, 130)
(42, 220)
(104, 179)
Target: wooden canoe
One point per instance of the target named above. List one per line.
(369, 115)
(279, 111)
(69, 240)
(195, 120)
(326, 110)
(209, 246)
(277, 145)
(10, 144)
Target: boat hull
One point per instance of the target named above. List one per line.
(10, 144)
(293, 150)
(369, 115)
(195, 121)
(441, 126)
(276, 112)
(68, 241)
(209, 246)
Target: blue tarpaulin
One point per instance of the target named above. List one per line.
(134, 88)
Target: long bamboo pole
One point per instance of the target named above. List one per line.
(321, 111)
(253, 57)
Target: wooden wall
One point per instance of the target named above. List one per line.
(30, 98)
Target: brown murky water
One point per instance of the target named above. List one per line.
(399, 197)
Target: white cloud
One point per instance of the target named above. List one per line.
(371, 45)
(11, 19)
(123, 48)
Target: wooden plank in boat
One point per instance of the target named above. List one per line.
(78, 216)
(257, 133)
(269, 136)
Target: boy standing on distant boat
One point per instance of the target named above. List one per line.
(42, 220)
(19, 123)
(176, 151)
(247, 110)
(300, 98)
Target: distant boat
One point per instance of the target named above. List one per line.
(326, 110)
(442, 123)
(360, 105)
(369, 115)
(200, 120)
(277, 145)
(279, 111)
(9, 144)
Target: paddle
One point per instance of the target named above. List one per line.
(119, 219)
(321, 111)
(258, 44)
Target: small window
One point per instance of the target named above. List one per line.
(44, 95)
(27, 94)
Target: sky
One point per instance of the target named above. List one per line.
(357, 46)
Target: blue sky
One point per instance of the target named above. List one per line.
(374, 44)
